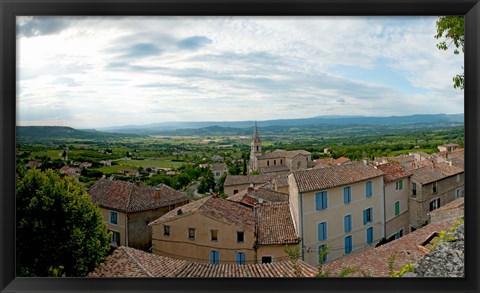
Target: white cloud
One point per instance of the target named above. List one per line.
(106, 71)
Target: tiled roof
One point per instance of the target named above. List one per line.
(219, 166)
(283, 154)
(215, 208)
(323, 178)
(250, 197)
(435, 172)
(459, 203)
(374, 262)
(393, 171)
(247, 179)
(129, 262)
(130, 197)
(274, 225)
(281, 181)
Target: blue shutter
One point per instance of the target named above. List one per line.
(364, 217)
(371, 215)
(322, 231)
(368, 188)
(370, 235)
(212, 256)
(348, 244)
(325, 200)
(237, 258)
(347, 223)
(240, 258)
(318, 201)
(346, 195)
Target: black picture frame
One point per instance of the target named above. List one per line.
(9, 9)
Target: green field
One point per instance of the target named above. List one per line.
(140, 163)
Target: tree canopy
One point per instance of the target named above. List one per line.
(60, 231)
(452, 30)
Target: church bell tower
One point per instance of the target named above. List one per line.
(255, 149)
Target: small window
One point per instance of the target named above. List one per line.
(397, 208)
(399, 185)
(458, 193)
(274, 162)
(347, 223)
(240, 258)
(217, 173)
(115, 238)
(321, 251)
(235, 191)
(434, 204)
(268, 163)
(368, 216)
(113, 217)
(370, 235)
(322, 231)
(281, 161)
(166, 230)
(434, 187)
(347, 195)
(348, 244)
(266, 259)
(240, 237)
(214, 257)
(321, 200)
(191, 233)
(214, 235)
(368, 189)
(414, 189)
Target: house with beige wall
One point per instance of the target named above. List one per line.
(340, 207)
(127, 208)
(210, 230)
(219, 231)
(397, 191)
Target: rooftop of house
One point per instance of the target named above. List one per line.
(283, 154)
(434, 172)
(393, 171)
(130, 262)
(323, 178)
(280, 181)
(131, 197)
(216, 208)
(251, 196)
(374, 262)
(219, 167)
(247, 179)
(274, 224)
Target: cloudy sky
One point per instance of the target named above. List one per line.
(89, 72)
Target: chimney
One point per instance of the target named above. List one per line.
(179, 212)
(215, 195)
(365, 162)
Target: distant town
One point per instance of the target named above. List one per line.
(244, 208)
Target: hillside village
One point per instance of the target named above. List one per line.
(338, 213)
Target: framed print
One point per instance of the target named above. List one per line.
(221, 146)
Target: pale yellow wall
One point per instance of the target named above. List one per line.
(177, 245)
(294, 202)
(120, 227)
(395, 223)
(277, 252)
(334, 216)
(228, 190)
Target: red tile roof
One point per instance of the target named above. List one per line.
(247, 179)
(374, 262)
(323, 178)
(251, 196)
(274, 225)
(129, 262)
(393, 172)
(215, 208)
(130, 197)
(435, 172)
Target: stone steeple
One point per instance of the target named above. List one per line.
(255, 148)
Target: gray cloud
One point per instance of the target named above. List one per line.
(194, 42)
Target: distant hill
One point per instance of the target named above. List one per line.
(314, 124)
(48, 133)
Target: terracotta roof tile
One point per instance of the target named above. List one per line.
(374, 262)
(130, 262)
(323, 178)
(393, 171)
(215, 208)
(274, 224)
(272, 169)
(434, 172)
(130, 197)
(219, 167)
(247, 179)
